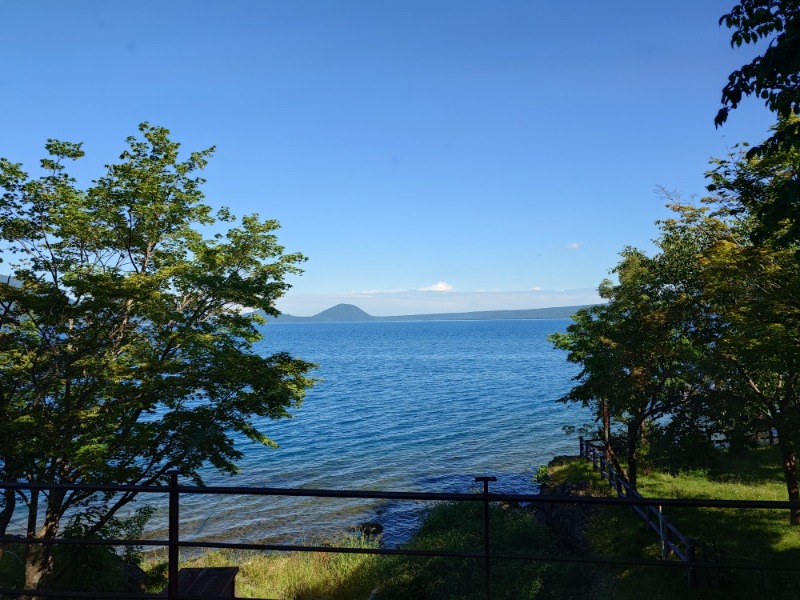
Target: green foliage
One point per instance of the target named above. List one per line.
(541, 474)
(752, 281)
(679, 445)
(12, 566)
(700, 340)
(766, 187)
(774, 76)
(124, 350)
(131, 527)
(642, 353)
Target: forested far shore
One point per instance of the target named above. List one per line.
(352, 313)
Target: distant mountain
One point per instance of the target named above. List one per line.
(351, 313)
(335, 314)
(7, 279)
(343, 312)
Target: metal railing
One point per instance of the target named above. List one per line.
(173, 543)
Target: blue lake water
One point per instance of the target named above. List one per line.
(401, 406)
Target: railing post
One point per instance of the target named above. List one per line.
(172, 567)
(661, 533)
(691, 556)
(581, 442)
(486, 547)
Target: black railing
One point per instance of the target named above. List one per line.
(486, 556)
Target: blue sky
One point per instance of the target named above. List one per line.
(426, 156)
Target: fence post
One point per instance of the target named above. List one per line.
(661, 533)
(486, 547)
(172, 567)
(581, 441)
(691, 555)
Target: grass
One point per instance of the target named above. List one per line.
(459, 527)
(759, 537)
(295, 575)
(318, 575)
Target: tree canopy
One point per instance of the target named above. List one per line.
(773, 76)
(699, 341)
(125, 349)
(640, 355)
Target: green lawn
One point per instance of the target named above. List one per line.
(758, 537)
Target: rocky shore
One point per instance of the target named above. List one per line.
(568, 522)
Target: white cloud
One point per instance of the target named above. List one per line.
(536, 288)
(441, 286)
(574, 246)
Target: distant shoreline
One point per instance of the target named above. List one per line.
(310, 321)
(348, 313)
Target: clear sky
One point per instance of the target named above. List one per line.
(425, 155)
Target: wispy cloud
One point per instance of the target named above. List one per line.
(440, 286)
(574, 246)
(376, 292)
(536, 288)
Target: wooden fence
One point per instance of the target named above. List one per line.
(673, 542)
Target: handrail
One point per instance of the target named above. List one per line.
(673, 541)
(427, 496)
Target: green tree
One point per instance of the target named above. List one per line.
(754, 291)
(775, 75)
(767, 190)
(642, 352)
(124, 348)
(619, 379)
(753, 288)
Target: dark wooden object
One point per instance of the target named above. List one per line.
(209, 582)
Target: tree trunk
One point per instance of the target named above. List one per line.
(39, 557)
(789, 462)
(632, 443)
(38, 564)
(9, 504)
(606, 430)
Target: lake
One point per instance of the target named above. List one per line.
(401, 406)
